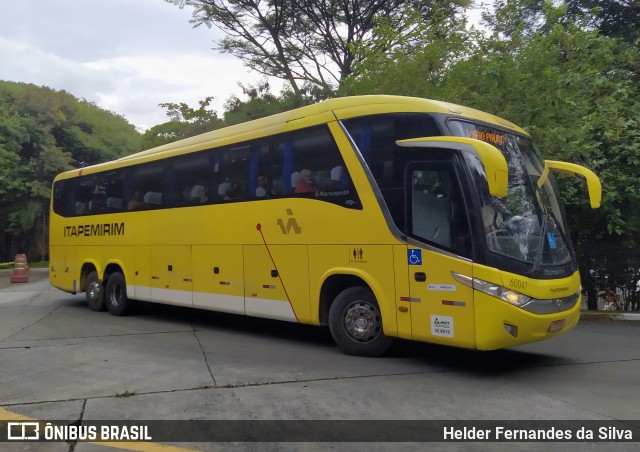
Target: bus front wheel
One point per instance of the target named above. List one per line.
(94, 292)
(116, 295)
(355, 323)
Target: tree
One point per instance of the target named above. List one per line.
(306, 42)
(44, 132)
(415, 62)
(260, 103)
(614, 18)
(571, 87)
(184, 122)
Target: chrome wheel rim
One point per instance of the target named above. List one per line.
(94, 291)
(362, 321)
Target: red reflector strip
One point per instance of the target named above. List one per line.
(453, 303)
(409, 299)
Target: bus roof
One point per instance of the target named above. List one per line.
(338, 108)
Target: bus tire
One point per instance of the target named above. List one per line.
(355, 323)
(94, 292)
(116, 295)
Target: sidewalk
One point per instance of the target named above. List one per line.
(609, 315)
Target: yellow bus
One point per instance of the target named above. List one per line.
(380, 217)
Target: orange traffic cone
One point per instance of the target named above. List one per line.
(20, 269)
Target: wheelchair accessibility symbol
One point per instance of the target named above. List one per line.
(414, 257)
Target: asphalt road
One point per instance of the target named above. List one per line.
(61, 361)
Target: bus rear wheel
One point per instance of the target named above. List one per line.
(116, 295)
(355, 323)
(94, 292)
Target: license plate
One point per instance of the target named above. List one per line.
(556, 326)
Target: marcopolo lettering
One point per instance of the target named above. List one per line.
(94, 230)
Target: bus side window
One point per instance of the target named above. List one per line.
(437, 208)
(190, 179)
(82, 195)
(114, 191)
(376, 136)
(310, 165)
(63, 197)
(259, 183)
(231, 173)
(146, 187)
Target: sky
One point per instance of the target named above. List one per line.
(126, 56)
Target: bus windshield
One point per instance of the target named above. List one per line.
(527, 224)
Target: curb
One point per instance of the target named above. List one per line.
(609, 315)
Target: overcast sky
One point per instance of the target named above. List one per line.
(127, 56)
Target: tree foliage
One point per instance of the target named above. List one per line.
(260, 102)
(184, 122)
(614, 18)
(573, 88)
(308, 43)
(44, 132)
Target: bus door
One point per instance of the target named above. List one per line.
(442, 309)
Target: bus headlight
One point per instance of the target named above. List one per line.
(511, 297)
(533, 305)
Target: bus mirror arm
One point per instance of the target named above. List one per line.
(495, 165)
(593, 182)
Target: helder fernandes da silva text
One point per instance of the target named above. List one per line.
(609, 433)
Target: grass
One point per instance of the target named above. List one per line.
(9, 265)
(126, 393)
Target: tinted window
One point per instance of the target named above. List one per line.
(146, 187)
(437, 210)
(376, 138)
(308, 163)
(63, 197)
(231, 171)
(190, 179)
(305, 163)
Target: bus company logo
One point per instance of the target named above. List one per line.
(292, 224)
(441, 322)
(94, 230)
(23, 431)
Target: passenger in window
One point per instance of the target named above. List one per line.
(199, 194)
(262, 184)
(97, 202)
(136, 201)
(306, 182)
(224, 187)
(234, 193)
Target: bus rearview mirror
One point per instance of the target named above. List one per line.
(495, 165)
(593, 182)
